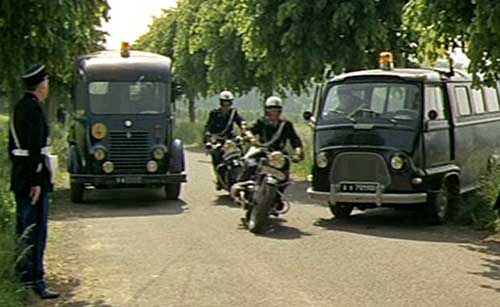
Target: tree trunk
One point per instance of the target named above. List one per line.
(191, 110)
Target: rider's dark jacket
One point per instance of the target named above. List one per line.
(218, 122)
(266, 131)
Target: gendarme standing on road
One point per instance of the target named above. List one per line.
(31, 178)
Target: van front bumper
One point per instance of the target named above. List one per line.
(128, 179)
(365, 198)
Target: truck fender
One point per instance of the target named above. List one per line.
(176, 159)
(74, 160)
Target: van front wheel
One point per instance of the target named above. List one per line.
(438, 207)
(341, 210)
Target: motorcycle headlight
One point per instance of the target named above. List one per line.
(158, 153)
(152, 166)
(277, 159)
(108, 167)
(100, 154)
(229, 146)
(397, 162)
(322, 160)
(99, 131)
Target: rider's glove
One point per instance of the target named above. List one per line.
(298, 155)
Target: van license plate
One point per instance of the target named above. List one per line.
(358, 187)
(133, 179)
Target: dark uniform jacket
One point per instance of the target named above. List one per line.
(32, 132)
(266, 130)
(218, 121)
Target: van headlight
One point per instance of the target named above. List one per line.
(108, 167)
(99, 154)
(158, 153)
(397, 162)
(277, 159)
(322, 160)
(152, 166)
(99, 131)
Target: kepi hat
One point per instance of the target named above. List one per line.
(35, 75)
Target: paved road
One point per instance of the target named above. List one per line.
(132, 248)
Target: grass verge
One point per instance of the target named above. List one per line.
(476, 208)
(11, 291)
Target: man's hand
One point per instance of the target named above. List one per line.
(35, 194)
(298, 155)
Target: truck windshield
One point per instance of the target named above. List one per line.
(127, 97)
(372, 102)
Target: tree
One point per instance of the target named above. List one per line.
(294, 40)
(52, 32)
(472, 25)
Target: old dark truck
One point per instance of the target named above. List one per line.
(121, 134)
(402, 138)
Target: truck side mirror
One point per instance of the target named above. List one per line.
(307, 115)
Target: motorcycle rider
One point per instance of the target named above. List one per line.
(220, 123)
(274, 132)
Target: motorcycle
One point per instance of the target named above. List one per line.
(260, 193)
(228, 152)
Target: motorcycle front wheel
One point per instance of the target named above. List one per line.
(259, 211)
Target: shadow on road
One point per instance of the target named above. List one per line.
(225, 200)
(67, 288)
(279, 230)
(114, 203)
(491, 251)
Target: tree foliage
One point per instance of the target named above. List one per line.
(276, 44)
(472, 25)
(47, 31)
(294, 39)
(284, 44)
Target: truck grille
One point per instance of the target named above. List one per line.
(129, 151)
(360, 167)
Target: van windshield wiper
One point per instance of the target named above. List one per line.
(346, 116)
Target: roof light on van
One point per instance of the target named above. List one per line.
(385, 60)
(125, 49)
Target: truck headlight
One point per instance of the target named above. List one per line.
(277, 159)
(397, 162)
(158, 153)
(100, 154)
(322, 160)
(152, 166)
(99, 131)
(108, 167)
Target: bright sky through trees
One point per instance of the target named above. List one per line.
(130, 18)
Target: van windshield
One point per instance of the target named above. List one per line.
(372, 102)
(140, 97)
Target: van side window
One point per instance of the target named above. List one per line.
(491, 96)
(462, 97)
(478, 101)
(435, 100)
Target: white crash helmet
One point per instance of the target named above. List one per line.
(273, 102)
(226, 96)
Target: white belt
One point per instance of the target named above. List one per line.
(25, 153)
